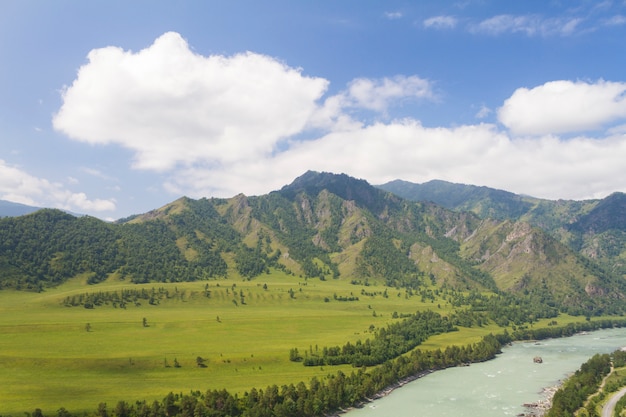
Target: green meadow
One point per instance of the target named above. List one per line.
(54, 356)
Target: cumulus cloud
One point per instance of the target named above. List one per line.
(564, 107)
(478, 154)
(440, 22)
(20, 187)
(530, 25)
(617, 130)
(172, 106)
(378, 95)
(221, 125)
(72, 201)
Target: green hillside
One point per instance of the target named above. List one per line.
(322, 226)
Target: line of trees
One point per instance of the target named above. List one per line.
(585, 381)
(564, 331)
(388, 342)
(118, 298)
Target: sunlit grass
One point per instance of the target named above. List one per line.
(49, 360)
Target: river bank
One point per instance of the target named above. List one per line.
(382, 393)
(499, 387)
(535, 409)
(540, 408)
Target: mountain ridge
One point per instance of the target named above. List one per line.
(12, 209)
(321, 226)
(594, 228)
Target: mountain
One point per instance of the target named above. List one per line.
(595, 229)
(343, 186)
(600, 234)
(608, 214)
(484, 201)
(492, 203)
(9, 208)
(321, 226)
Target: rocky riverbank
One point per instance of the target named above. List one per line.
(541, 407)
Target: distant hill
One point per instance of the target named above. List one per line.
(321, 226)
(493, 203)
(484, 201)
(8, 208)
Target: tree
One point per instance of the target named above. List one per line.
(62, 412)
(200, 362)
(122, 409)
(294, 355)
(102, 410)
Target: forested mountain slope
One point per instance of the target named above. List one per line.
(322, 226)
(594, 228)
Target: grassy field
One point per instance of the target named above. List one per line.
(49, 359)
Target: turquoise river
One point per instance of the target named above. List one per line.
(495, 388)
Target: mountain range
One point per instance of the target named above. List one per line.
(593, 228)
(332, 226)
(9, 208)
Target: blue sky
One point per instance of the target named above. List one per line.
(112, 108)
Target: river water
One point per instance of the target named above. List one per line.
(495, 388)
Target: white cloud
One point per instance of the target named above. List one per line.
(616, 20)
(530, 25)
(97, 173)
(73, 201)
(617, 130)
(175, 108)
(564, 106)
(441, 22)
(218, 126)
(545, 167)
(483, 112)
(172, 106)
(393, 15)
(18, 186)
(378, 95)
